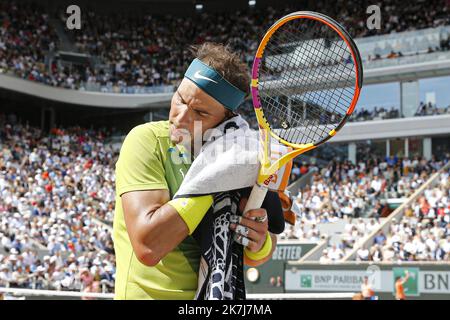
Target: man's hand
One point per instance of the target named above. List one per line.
(249, 232)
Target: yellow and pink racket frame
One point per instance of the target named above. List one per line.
(267, 169)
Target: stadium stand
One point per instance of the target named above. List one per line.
(51, 187)
(361, 114)
(423, 233)
(26, 39)
(343, 192)
(424, 109)
(131, 52)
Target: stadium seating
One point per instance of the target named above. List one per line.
(51, 217)
(343, 191)
(130, 52)
(423, 234)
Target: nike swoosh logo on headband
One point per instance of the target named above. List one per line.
(199, 76)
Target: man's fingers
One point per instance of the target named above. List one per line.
(246, 232)
(241, 239)
(255, 225)
(242, 204)
(246, 242)
(255, 213)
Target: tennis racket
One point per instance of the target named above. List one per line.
(306, 79)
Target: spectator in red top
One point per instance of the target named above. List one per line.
(303, 169)
(441, 211)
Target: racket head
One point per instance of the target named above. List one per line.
(308, 58)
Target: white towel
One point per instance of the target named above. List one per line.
(227, 161)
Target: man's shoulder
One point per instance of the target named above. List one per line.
(147, 134)
(144, 139)
(157, 129)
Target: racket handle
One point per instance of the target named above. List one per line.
(256, 198)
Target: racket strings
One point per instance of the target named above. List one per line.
(317, 70)
(306, 81)
(321, 99)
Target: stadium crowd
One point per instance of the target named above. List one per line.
(26, 38)
(56, 191)
(429, 109)
(351, 192)
(360, 114)
(148, 50)
(377, 113)
(422, 234)
(353, 232)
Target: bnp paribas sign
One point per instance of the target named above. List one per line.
(419, 281)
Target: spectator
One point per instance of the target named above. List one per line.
(380, 238)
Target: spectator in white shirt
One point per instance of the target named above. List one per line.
(335, 253)
(376, 184)
(324, 259)
(362, 254)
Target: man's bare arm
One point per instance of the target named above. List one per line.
(154, 227)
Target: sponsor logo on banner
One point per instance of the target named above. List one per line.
(419, 281)
(324, 280)
(411, 286)
(306, 281)
(435, 282)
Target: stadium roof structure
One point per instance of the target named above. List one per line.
(83, 98)
(403, 72)
(394, 128)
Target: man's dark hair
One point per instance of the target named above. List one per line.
(226, 62)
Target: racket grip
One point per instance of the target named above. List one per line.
(256, 198)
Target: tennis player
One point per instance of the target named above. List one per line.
(399, 286)
(156, 256)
